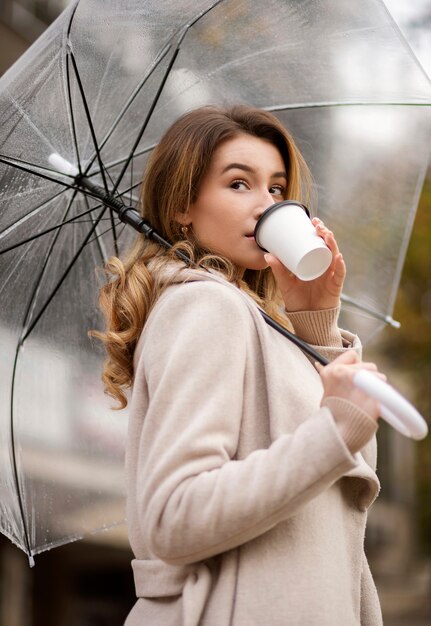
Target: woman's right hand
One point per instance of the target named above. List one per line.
(337, 379)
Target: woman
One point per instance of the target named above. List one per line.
(249, 472)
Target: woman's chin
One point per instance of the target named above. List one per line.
(256, 264)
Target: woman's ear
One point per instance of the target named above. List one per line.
(183, 218)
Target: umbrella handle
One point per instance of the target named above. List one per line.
(394, 408)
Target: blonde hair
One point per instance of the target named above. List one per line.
(172, 182)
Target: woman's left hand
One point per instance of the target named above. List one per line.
(314, 295)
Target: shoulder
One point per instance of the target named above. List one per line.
(199, 300)
(198, 315)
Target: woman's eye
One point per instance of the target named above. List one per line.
(276, 190)
(239, 184)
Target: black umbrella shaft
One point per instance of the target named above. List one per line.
(304, 346)
(127, 214)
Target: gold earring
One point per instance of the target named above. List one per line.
(185, 231)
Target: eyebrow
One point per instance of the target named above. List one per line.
(247, 168)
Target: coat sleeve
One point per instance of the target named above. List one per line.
(193, 499)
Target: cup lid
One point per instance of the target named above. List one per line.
(270, 210)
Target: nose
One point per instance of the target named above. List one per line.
(266, 199)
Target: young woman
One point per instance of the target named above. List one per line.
(249, 469)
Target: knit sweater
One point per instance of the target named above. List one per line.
(247, 499)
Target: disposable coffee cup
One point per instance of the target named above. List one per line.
(285, 230)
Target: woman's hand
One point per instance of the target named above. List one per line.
(337, 379)
(314, 295)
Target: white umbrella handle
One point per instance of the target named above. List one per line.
(394, 408)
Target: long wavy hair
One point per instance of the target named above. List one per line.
(172, 181)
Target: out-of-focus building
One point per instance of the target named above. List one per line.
(90, 582)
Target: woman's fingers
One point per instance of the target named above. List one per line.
(339, 270)
(351, 359)
(346, 365)
(338, 381)
(326, 234)
(338, 377)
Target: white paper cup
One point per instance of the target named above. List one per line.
(285, 230)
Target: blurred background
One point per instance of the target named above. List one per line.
(89, 582)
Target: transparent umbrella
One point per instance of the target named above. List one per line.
(98, 89)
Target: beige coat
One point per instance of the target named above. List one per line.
(246, 507)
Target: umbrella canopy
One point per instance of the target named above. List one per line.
(98, 89)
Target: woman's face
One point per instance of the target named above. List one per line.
(246, 175)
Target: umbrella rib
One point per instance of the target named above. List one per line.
(60, 282)
(157, 62)
(25, 116)
(147, 119)
(89, 221)
(132, 97)
(100, 245)
(57, 226)
(16, 163)
(407, 233)
(129, 157)
(131, 183)
(111, 215)
(69, 28)
(130, 101)
(387, 319)
(93, 135)
(15, 465)
(14, 460)
(112, 164)
(88, 116)
(44, 265)
(199, 16)
(186, 28)
(72, 116)
(323, 104)
(23, 219)
(149, 114)
(119, 194)
(13, 129)
(75, 219)
(31, 168)
(99, 235)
